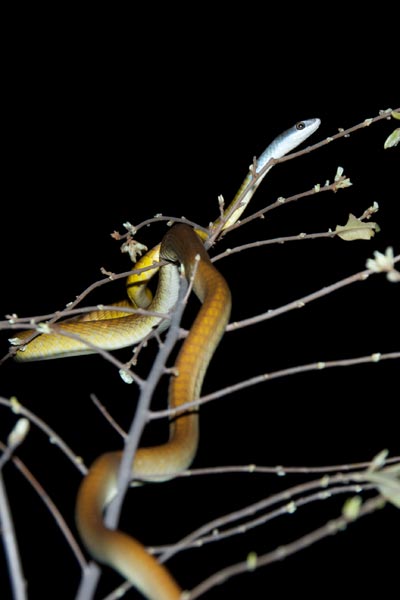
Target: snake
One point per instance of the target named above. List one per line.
(180, 250)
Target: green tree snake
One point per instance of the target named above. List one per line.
(180, 246)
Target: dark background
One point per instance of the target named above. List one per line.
(99, 131)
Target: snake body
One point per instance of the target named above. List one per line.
(180, 246)
(109, 330)
(116, 548)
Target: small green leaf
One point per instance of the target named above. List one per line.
(388, 483)
(251, 561)
(351, 508)
(19, 433)
(355, 229)
(393, 139)
(379, 460)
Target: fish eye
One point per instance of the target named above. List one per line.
(300, 125)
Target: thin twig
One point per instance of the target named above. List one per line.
(286, 496)
(331, 527)
(301, 302)
(281, 470)
(371, 359)
(16, 407)
(17, 579)
(107, 416)
(290, 507)
(296, 370)
(280, 202)
(57, 516)
(279, 240)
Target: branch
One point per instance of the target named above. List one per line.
(125, 475)
(253, 562)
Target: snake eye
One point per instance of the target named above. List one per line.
(300, 125)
